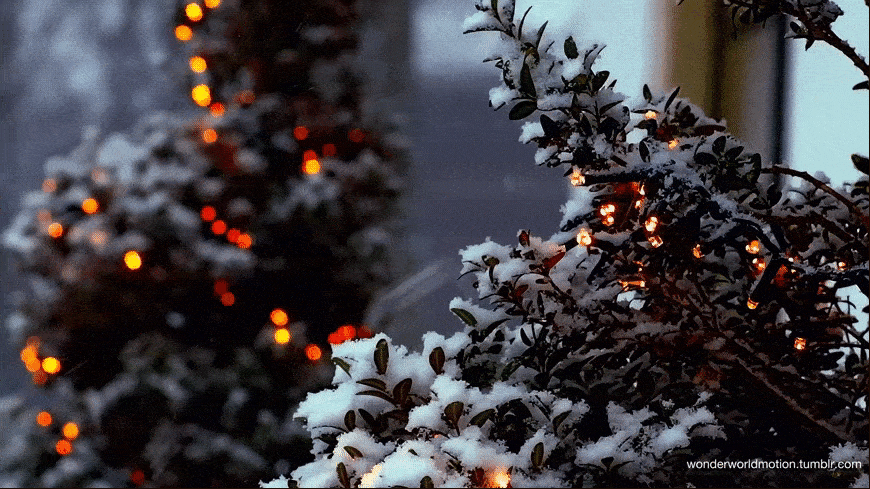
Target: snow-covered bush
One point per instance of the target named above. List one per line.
(686, 310)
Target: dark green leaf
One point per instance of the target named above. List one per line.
(558, 420)
(465, 316)
(525, 337)
(541, 33)
(342, 475)
(453, 411)
(527, 85)
(341, 363)
(350, 420)
(860, 86)
(538, 455)
(522, 21)
(647, 94)
(426, 483)
(599, 80)
(522, 110)
(490, 261)
(436, 360)
(706, 160)
(551, 128)
(734, 152)
(571, 48)
(672, 97)
(379, 394)
(402, 390)
(510, 368)
(480, 418)
(604, 108)
(644, 151)
(719, 145)
(861, 163)
(374, 383)
(369, 419)
(353, 452)
(382, 356)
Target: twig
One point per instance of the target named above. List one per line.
(827, 35)
(821, 185)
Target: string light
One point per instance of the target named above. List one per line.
(218, 227)
(228, 299)
(800, 343)
(209, 136)
(368, 480)
(279, 317)
(313, 352)
(208, 213)
(245, 97)
(499, 478)
(201, 94)
(751, 304)
(43, 418)
(193, 12)
(651, 223)
(51, 365)
(217, 109)
(609, 220)
(183, 33)
(655, 241)
(133, 260)
(55, 230)
(759, 264)
(282, 336)
(356, 135)
(311, 167)
(233, 235)
(49, 185)
(638, 203)
(40, 377)
(584, 238)
(70, 431)
(245, 241)
(841, 265)
(577, 178)
(673, 144)
(212, 3)
(606, 209)
(137, 477)
(300, 132)
(329, 149)
(220, 286)
(650, 114)
(90, 205)
(33, 365)
(198, 64)
(696, 251)
(753, 247)
(63, 447)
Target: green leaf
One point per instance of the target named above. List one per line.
(375, 383)
(719, 145)
(341, 363)
(522, 110)
(402, 390)
(537, 456)
(558, 420)
(342, 475)
(734, 152)
(551, 128)
(541, 33)
(382, 356)
(525, 337)
(644, 151)
(465, 316)
(350, 420)
(599, 80)
(647, 94)
(571, 48)
(480, 418)
(426, 483)
(369, 419)
(861, 86)
(353, 452)
(436, 360)
(672, 98)
(453, 411)
(527, 85)
(522, 21)
(861, 163)
(379, 394)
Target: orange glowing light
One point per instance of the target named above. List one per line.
(193, 12)
(279, 317)
(753, 247)
(137, 477)
(51, 365)
(650, 114)
(49, 185)
(233, 235)
(638, 204)
(313, 352)
(219, 227)
(28, 353)
(348, 332)
(364, 332)
(499, 478)
(651, 223)
(183, 33)
(356, 135)
(609, 220)
(40, 377)
(201, 94)
(33, 341)
(759, 264)
(209, 136)
(133, 260)
(696, 251)
(198, 64)
(577, 178)
(311, 167)
(212, 3)
(300, 132)
(334, 338)
(63, 447)
(228, 299)
(43, 216)
(606, 209)
(220, 287)
(70, 431)
(584, 238)
(208, 213)
(751, 304)
(283, 336)
(841, 265)
(245, 97)
(800, 343)
(245, 241)
(673, 144)
(309, 154)
(32, 365)
(55, 230)
(217, 109)
(90, 205)
(655, 241)
(329, 149)
(43, 418)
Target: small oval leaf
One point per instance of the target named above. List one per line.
(353, 452)
(527, 85)
(558, 420)
(374, 383)
(465, 316)
(342, 475)
(379, 394)
(522, 110)
(436, 360)
(538, 455)
(453, 411)
(426, 483)
(571, 48)
(350, 420)
(480, 418)
(402, 390)
(382, 356)
(341, 363)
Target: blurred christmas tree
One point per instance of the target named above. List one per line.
(690, 311)
(186, 276)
